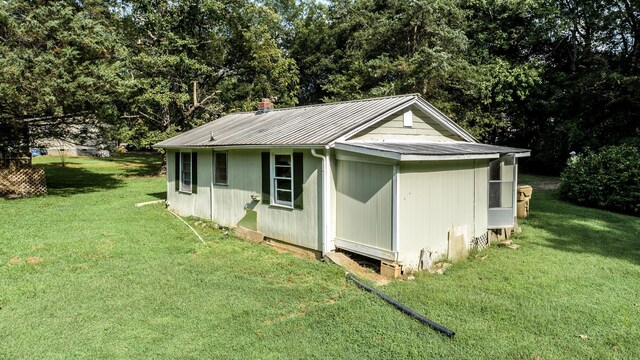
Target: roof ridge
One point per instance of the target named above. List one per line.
(417, 95)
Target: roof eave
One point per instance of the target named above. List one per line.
(253, 146)
(368, 151)
(398, 156)
(417, 157)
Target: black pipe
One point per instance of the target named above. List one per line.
(402, 307)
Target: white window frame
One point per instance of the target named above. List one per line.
(182, 185)
(215, 168)
(514, 185)
(273, 189)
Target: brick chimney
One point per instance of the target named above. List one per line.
(265, 105)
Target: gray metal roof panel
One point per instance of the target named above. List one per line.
(304, 125)
(437, 148)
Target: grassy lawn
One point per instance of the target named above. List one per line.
(84, 273)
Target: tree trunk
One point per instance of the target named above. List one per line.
(163, 166)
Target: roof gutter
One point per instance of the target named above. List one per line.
(232, 147)
(367, 151)
(411, 157)
(523, 154)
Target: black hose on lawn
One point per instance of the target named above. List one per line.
(402, 307)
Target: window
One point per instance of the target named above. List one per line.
(220, 166)
(501, 192)
(282, 179)
(501, 182)
(186, 172)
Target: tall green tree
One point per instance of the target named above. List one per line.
(363, 48)
(195, 60)
(60, 64)
(586, 96)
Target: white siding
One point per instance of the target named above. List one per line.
(433, 198)
(296, 226)
(481, 201)
(186, 204)
(333, 213)
(363, 203)
(424, 128)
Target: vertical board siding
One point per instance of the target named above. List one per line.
(424, 128)
(297, 226)
(434, 197)
(363, 203)
(194, 204)
(481, 196)
(333, 215)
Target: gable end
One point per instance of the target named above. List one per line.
(423, 128)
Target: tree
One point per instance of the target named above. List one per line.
(195, 60)
(60, 64)
(354, 49)
(582, 54)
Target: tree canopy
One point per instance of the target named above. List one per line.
(553, 76)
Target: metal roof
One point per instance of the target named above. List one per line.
(438, 148)
(298, 126)
(430, 150)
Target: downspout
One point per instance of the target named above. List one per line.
(326, 198)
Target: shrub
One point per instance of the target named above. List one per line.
(609, 179)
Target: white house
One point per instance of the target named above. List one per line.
(390, 178)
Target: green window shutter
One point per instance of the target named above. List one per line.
(298, 179)
(176, 165)
(194, 172)
(266, 178)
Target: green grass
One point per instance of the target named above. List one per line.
(85, 274)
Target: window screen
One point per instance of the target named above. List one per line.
(220, 160)
(185, 172)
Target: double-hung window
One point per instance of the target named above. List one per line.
(220, 168)
(186, 174)
(283, 179)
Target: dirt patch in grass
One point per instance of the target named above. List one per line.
(105, 245)
(30, 260)
(34, 260)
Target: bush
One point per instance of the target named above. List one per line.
(609, 179)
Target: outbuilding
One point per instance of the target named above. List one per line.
(389, 178)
